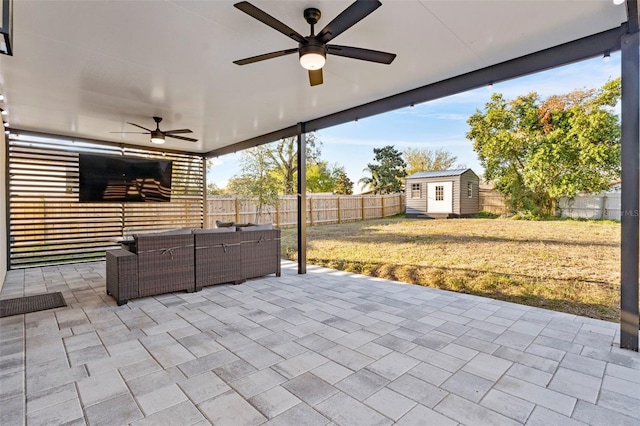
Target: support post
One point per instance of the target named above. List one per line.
(205, 198)
(302, 199)
(630, 191)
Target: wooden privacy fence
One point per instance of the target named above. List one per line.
(48, 224)
(491, 201)
(321, 209)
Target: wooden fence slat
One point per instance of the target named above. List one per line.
(321, 209)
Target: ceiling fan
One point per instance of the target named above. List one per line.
(313, 49)
(157, 135)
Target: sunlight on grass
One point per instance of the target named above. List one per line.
(569, 266)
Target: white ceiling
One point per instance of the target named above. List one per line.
(85, 68)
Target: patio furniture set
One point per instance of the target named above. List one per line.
(189, 260)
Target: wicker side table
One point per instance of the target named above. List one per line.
(260, 253)
(122, 275)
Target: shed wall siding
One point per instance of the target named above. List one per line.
(469, 205)
(416, 206)
(456, 193)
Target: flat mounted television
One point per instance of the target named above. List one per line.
(114, 179)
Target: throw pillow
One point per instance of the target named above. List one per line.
(215, 230)
(220, 224)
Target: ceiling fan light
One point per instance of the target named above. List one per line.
(312, 61)
(157, 137)
(312, 55)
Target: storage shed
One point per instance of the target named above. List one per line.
(442, 194)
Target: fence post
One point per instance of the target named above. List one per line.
(311, 211)
(237, 209)
(339, 211)
(362, 206)
(278, 212)
(382, 202)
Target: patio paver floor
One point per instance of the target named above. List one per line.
(328, 347)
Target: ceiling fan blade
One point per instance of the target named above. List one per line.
(362, 54)
(265, 56)
(315, 77)
(269, 20)
(166, 132)
(181, 138)
(137, 125)
(348, 18)
(137, 133)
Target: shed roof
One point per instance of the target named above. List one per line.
(439, 173)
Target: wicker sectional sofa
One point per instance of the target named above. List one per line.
(190, 260)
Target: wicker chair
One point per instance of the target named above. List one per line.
(165, 264)
(217, 258)
(260, 252)
(122, 275)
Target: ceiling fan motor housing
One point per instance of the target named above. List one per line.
(312, 46)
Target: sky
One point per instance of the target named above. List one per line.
(437, 124)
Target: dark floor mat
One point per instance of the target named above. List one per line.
(24, 305)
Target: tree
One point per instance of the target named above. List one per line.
(323, 177)
(420, 160)
(283, 156)
(256, 180)
(213, 189)
(387, 173)
(344, 186)
(536, 151)
(320, 177)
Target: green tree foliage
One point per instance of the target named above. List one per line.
(283, 156)
(323, 177)
(213, 189)
(344, 185)
(422, 160)
(256, 180)
(535, 151)
(387, 173)
(320, 177)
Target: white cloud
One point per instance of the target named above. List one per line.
(216, 161)
(435, 115)
(434, 142)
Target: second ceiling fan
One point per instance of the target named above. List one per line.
(313, 49)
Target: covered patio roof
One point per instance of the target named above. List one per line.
(85, 69)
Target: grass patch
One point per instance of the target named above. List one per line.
(568, 266)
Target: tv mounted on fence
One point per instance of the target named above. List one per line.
(114, 179)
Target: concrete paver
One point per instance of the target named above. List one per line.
(328, 347)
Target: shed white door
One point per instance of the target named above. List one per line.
(440, 197)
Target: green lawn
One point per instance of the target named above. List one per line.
(569, 266)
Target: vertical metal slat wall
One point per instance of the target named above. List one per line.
(47, 223)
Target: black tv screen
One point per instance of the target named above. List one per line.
(112, 179)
